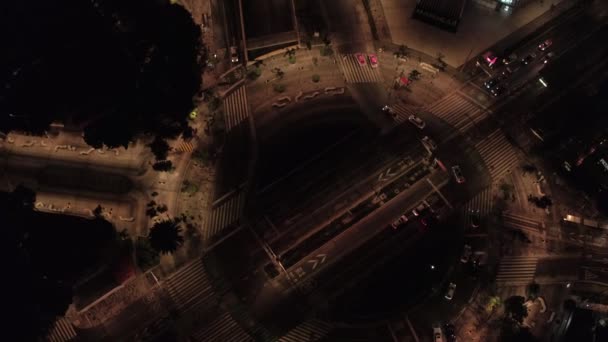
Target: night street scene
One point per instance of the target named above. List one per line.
(304, 170)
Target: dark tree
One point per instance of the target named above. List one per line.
(165, 236)
(98, 210)
(533, 290)
(602, 202)
(515, 308)
(159, 148)
(23, 198)
(163, 165)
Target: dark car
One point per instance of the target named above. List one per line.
(475, 219)
(497, 91)
(528, 59)
(450, 332)
(489, 84)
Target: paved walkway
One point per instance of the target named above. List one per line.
(480, 28)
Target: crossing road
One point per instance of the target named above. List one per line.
(458, 111)
(403, 112)
(516, 270)
(185, 146)
(498, 154)
(310, 330)
(517, 221)
(355, 73)
(227, 212)
(481, 204)
(61, 331)
(236, 108)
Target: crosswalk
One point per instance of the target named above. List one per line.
(61, 331)
(190, 287)
(498, 154)
(481, 204)
(308, 331)
(185, 146)
(355, 73)
(403, 112)
(226, 213)
(222, 328)
(516, 221)
(517, 270)
(458, 111)
(236, 108)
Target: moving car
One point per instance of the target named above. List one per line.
(497, 91)
(450, 332)
(512, 58)
(401, 220)
(544, 45)
(437, 334)
(373, 60)
(389, 110)
(450, 292)
(490, 58)
(548, 57)
(528, 59)
(234, 56)
(416, 121)
(466, 254)
(489, 84)
(361, 59)
(429, 144)
(475, 219)
(458, 174)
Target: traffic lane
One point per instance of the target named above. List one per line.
(558, 268)
(352, 238)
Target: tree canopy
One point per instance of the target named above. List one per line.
(116, 68)
(165, 236)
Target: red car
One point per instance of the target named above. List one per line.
(544, 45)
(361, 59)
(373, 60)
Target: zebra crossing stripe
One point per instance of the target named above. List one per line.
(403, 112)
(189, 286)
(310, 330)
(355, 73)
(222, 328)
(516, 270)
(225, 214)
(457, 111)
(483, 202)
(61, 331)
(236, 108)
(518, 221)
(498, 154)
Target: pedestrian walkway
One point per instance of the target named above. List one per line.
(222, 328)
(516, 270)
(356, 73)
(185, 146)
(458, 111)
(403, 112)
(236, 108)
(225, 214)
(481, 205)
(190, 287)
(498, 154)
(308, 331)
(61, 331)
(517, 221)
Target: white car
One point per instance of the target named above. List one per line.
(429, 144)
(437, 334)
(389, 110)
(450, 292)
(458, 174)
(466, 254)
(416, 121)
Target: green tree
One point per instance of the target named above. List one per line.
(326, 50)
(165, 236)
(145, 255)
(414, 75)
(402, 52)
(163, 165)
(159, 147)
(279, 88)
(278, 72)
(316, 78)
(532, 290)
(515, 308)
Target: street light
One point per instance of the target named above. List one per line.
(432, 267)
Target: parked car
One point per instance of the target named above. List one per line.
(490, 58)
(373, 60)
(489, 84)
(458, 174)
(429, 144)
(416, 121)
(423, 206)
(466, 254)
(548, 57)
(401, 220)
(450, 292)
(544, 45)
(389, 110)
(437, 334)
(361, 59)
